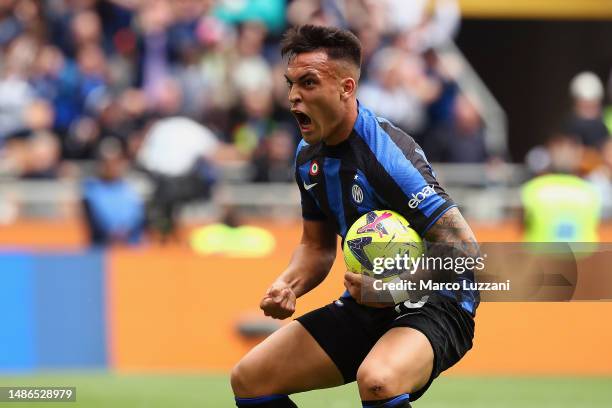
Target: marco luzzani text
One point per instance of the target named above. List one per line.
(400, 265)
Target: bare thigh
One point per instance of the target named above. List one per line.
(400, 362)
(288, 361)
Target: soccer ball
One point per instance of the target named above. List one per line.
(380, 234)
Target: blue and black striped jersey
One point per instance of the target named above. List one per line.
(377, 167)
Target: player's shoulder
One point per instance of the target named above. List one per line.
(382, 136)
(305, 152)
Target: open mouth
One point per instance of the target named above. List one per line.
(303, 120)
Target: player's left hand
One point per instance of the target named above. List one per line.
(361, 288)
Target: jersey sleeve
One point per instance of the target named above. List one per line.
(310, 208)
(423, 200)
(408, 185)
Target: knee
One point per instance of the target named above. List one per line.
(239, 380)
(248, 381)
(376, 383)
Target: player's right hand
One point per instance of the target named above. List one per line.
(279, 301)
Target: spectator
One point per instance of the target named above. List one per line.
(574, 213)
(85, 30)
(561, 153)
(16, 93)
(462, 140)
(586, 120)
(177, 154)
(9, 24)
(252, 121)
(156, 54)
(32, 155)
(273, 161)
(114, 213)
(399, 89)
(371, 39)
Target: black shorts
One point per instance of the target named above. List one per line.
(347, 331)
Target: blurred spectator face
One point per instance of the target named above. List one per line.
(6, 6)
(39, 115)
(49, 62)
(84, 132)
(565, 153)
(467, 117)
(92, 61)
(257, 104)
(169, 98)
(21, 55)
(43, 153)
(189, 10)
(38, 155)
(156, 16)
(587, 91)
(251, 38)
(301, 11)
(86, 28)
(388, 68)
(28, 12)
(133, 102)
(112, 163)
(112, 114)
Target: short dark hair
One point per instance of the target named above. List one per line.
(336, 42)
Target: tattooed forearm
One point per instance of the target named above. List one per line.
(449, 237)
(452, 235)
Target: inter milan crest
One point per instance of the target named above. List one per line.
(357, 194)
(314, 168)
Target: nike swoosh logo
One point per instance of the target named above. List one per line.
(309, 186)
(406, 314)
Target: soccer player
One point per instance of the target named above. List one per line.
(351, 162)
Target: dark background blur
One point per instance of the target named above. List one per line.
(527, 63)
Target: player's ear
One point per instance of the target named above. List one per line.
(349, 87)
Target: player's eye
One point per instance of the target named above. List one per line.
(309, 82)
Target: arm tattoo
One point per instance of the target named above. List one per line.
(452, 235)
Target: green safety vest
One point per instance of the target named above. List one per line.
(560, 208)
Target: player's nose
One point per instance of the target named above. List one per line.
(294, 96)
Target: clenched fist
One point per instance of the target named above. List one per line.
(279, 301)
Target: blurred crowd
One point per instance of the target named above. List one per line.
(582, 143)
(173, 88)
(77, 72)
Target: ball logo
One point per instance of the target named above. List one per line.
(314, 168)
(357, 194)
(374, 223)
(419, 197)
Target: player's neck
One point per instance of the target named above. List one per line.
(344, 128)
